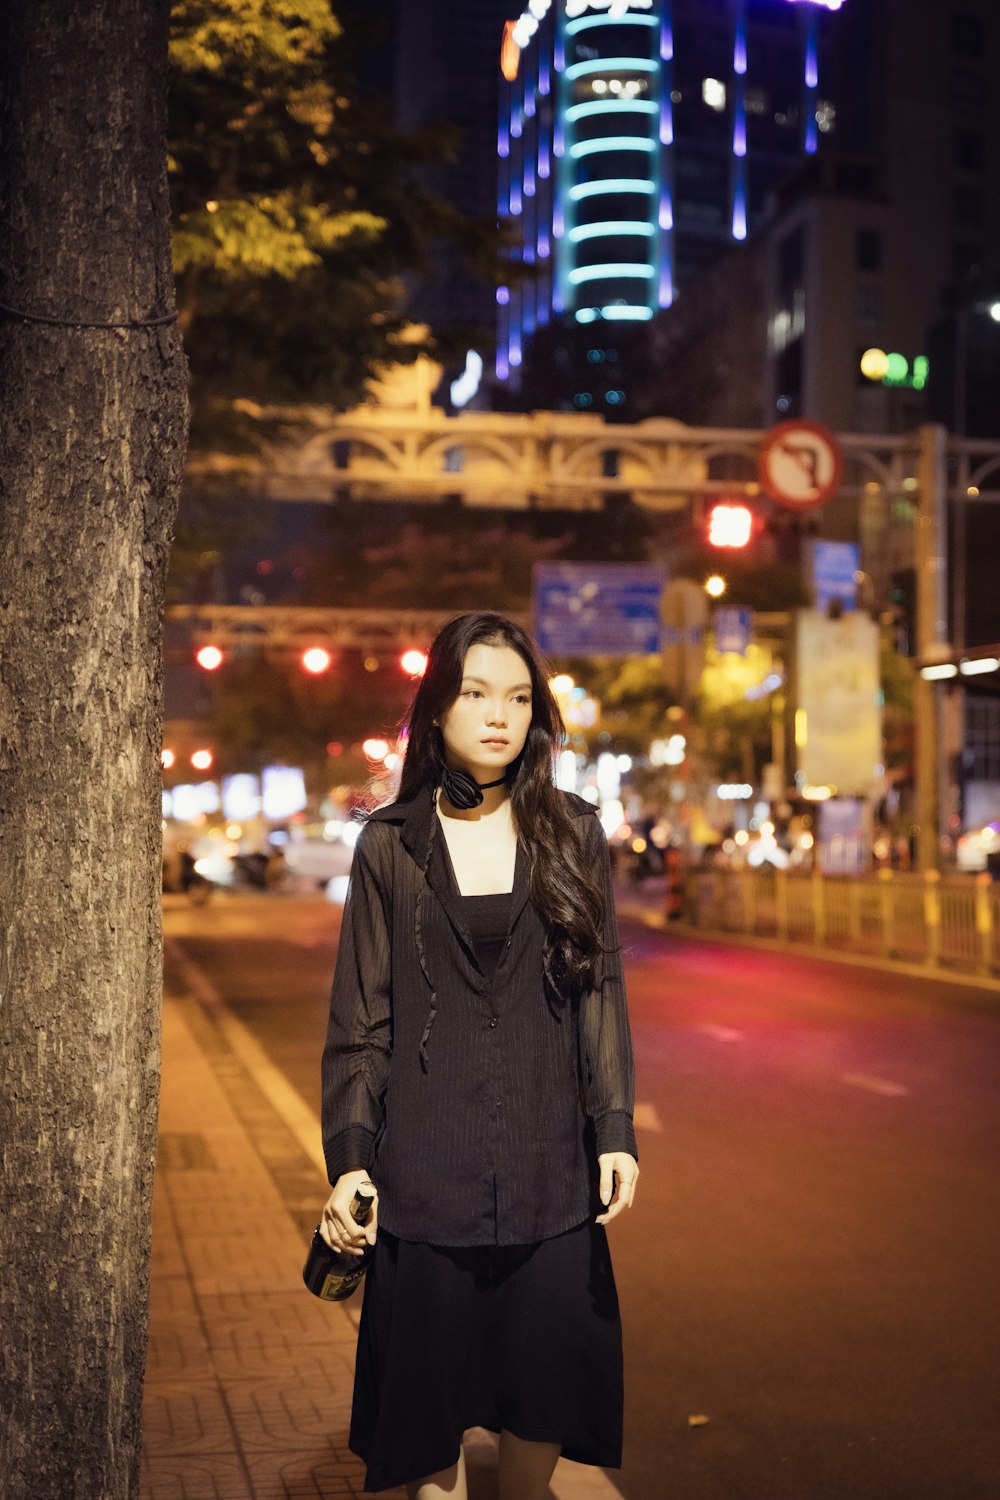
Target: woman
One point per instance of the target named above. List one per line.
(478, 1066)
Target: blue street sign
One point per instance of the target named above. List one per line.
(597, 609)
(834, 566)
(733, 630)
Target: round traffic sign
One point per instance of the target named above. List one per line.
(801, 464)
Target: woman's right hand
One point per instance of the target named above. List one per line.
(337, 1227)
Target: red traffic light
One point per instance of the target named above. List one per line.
(730, 525)
(209, 658)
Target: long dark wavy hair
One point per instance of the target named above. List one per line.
(561, 887)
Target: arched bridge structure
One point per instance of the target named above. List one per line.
(546, 460)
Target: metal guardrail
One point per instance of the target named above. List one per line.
(945, 922)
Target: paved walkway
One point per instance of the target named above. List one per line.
(249, 1378)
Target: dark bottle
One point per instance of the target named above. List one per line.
(333, 1274)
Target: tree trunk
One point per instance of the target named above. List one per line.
(92, 433)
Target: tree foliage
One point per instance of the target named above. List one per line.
(298, 207)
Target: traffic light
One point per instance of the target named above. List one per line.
(209, 658)
(730, 525)
(317, 660)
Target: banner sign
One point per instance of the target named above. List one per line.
(598, 609)
(838, 720)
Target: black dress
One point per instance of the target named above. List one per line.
(522, 1337)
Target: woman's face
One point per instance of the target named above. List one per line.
(493, 704)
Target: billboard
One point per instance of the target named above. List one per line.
(838, 718)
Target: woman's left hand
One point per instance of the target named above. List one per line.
(619, 1173)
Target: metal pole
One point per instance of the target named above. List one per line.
(932, 636)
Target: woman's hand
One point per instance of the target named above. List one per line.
(619, 1173)
(337, 1228)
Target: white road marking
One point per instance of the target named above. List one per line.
(646, 1118)
(721, 1033)
(286, 1100)
(874, 1085)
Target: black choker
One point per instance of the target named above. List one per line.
(462, 790)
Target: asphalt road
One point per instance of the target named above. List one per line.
(813, 1264)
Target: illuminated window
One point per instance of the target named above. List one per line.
(713, 92)
(826, 116)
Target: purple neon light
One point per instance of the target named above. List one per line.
(558, 221)
(740, 135)
(516, 203)
(544, 245)
(812, 137)
(560, 55)
(666, 36)
(529, 180)
(559, 140)
(666, 219)
(544, 75)
(529, 107)
(666, 121)
(502, 366)
(544, 162)
(503, 295)
(529, 255)
(666, 287)
(503, 142)
(739, 212)
(812, 67)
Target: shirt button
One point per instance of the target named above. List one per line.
(493, 1022)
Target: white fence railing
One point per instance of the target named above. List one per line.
(950, 921)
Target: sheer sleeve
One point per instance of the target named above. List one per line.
(605, 1035)
(355, 1067)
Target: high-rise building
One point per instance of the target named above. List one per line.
(640, 138)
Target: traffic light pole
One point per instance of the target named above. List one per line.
(932, 640)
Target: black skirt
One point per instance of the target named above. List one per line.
(525, 1338)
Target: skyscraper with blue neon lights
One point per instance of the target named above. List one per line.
(639, 138)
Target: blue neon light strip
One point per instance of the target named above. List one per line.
(586, 22)
(611, 64)
(666, 219)
(611, 107)
(612, 143)
(740, 134)
(611, 271)
(628, 314)
(611, 228)
(611, 185)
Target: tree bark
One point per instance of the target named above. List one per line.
(92, 434)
